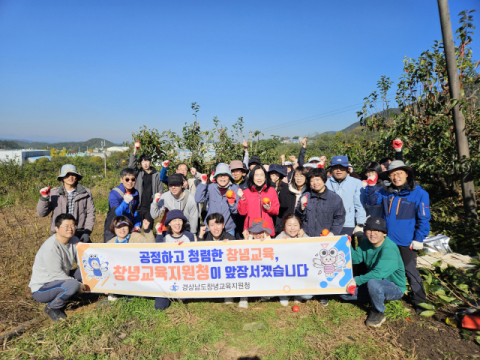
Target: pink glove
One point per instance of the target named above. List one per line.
(166, 163)
(372, 180)
(231, 199)
(397, 145)
(45, 191)
(137, 144)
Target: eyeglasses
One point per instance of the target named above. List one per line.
(129, 179)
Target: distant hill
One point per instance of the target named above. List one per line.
(9, 145)
(72, 145)
(356, 125)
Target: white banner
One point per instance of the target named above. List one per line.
(207, 269)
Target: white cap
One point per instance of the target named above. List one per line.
(288, 163)
(315, 158)
(308, 165)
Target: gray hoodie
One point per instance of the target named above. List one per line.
(168, 201)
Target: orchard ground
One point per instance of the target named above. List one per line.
(199, 329)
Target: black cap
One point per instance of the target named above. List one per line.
(254, 160)
(175, 179)
(375, 223)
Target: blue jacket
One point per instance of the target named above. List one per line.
(323, 211)
(163, 175)
(122, 208)
(349, 190)
(218, 203)
(407, 212)
(371, 210)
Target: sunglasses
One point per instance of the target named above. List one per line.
(129, 179)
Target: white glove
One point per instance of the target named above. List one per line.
(166, 163)
(85, 238)
(303, 202)
(45, 192)
(157, 197)
(358, 231)
(137, 144)
(240, 193)
(127, 198)
(416, 245)
(397, 145)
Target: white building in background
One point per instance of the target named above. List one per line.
(22, 156)
(118, 148)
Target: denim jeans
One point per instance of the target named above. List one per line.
(376, 292)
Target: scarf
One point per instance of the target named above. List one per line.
(297, 193)
(124, 241)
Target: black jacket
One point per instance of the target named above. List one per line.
(323, 211)
(287, 204)
(209, 237)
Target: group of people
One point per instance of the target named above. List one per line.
(387, 212)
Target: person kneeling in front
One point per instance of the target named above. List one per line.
(385, 278)
(53, 282)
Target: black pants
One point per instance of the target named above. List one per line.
(145, 215)
(409, 258)
(347, 231)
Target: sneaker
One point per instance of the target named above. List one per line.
(243, 303)
(112, 297)
(375, 318)
(228, 300)
(297, 300)
(54, 314)
(265, 298)
(323, 302)
(284, 302)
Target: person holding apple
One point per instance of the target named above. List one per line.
(70, 197)
(123, 200)
(320, 208)
(221, 195)
(260, 200)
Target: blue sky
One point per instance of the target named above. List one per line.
(73, 70)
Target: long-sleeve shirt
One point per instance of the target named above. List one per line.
(349, 190)
(53, 262)
(168, 201)
(406, 212)
(383, 262)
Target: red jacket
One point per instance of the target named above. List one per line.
(252, 206)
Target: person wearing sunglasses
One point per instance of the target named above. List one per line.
(69, 198)
(123, 200)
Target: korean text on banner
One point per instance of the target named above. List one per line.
(306, 266)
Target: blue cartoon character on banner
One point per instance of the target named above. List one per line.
(94, 267)
(330, 260)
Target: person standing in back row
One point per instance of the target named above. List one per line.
(349, 189)
(148, 183)
(69, 198)
(406, 209)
